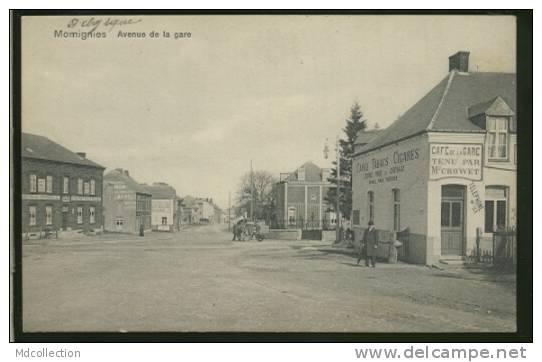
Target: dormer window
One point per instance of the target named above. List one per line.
(497, 137)
(495, 116)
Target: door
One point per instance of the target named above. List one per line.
(64, 219)
(452, 219)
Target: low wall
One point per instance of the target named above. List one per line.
(284, 234)
(329, 235)
(413, 251)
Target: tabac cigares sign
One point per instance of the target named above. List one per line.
(455, 160)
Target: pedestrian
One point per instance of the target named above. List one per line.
(371, 245)
(238, 230)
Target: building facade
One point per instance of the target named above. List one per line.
(445, 170)
(301, 198)
(165, 212)
(61, 190)
(127, 205)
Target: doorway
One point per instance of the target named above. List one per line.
(452, 220)
(64, 219)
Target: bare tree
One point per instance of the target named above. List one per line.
(257, 188)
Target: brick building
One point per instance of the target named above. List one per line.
(301, 198)
(61, 190)
(127, 205)
(445, 170)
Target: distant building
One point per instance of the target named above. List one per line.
(61, 190)
(445, 170)
(189, 214)
(165, 215)
(205, 211)
(127, 205)
(301, 198)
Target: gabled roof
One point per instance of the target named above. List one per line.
(161, 191)
(118, 175)
(313, 173)
(42, 148)
(445, 107)
(494, 107)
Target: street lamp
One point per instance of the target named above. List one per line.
(337, 205)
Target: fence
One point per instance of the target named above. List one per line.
(318, 224)
(505, 248)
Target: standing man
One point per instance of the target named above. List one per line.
(371, 245)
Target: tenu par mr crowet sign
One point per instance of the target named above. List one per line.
(455, 160)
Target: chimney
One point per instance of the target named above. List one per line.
(82, 154)
(126, 173)
(459, 61)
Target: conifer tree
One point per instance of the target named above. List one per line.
(354, 124)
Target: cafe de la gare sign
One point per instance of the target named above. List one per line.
(455, 160)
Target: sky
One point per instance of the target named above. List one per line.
(194, 112)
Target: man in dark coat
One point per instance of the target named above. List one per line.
(371, 245)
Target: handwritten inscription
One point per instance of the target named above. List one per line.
(456, 160)
(108, 24)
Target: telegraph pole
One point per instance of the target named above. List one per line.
(251, 193)
(337, 201)
(338, 210)
(229, 210)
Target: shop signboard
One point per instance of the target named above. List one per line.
(457, 160)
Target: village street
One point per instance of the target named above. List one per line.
(200, 280)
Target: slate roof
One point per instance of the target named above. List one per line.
(445, 107)
(119, 175)
(161, 191)
(367, 136)
(42, 148)
(189, 201)
(494, 107)
(313, 173)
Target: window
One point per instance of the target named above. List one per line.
(451, 214)
(49, 184)
(41, 185)
(79, 186)
(301, 174)
(396, 195)
(86, 188)
(92, 187)
(66, 185)
(33, 183)
(48, 215)
(119, 223)
(355, 217)
(497, 137)
(495, 208)
(164, 220)
(291, 215)
(92, 214)
(32, 215)
(371, 205)
(79, 215)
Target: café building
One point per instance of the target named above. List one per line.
(445, 170)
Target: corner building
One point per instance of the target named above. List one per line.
(446, 169)
(61, 190)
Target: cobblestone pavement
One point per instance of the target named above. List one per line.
(200, 280)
